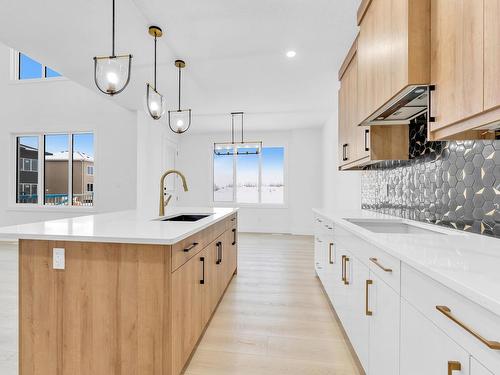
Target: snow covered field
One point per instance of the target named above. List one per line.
(244, 194)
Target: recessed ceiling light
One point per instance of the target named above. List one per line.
(291, 54)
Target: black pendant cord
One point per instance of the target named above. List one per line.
(180, 89)
(113, 32)
(154, 77)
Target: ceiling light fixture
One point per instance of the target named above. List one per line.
(179, 120)
(154, 100)
(291, 54)
(238, 148)
(112, 73)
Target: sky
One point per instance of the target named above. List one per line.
(59, 142)
(31, 69)
(248, 167)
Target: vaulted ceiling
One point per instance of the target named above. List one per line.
(234, 50)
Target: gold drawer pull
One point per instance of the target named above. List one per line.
(375, 261)
(331, 258)
(495, 345)
(454, 366)
(367, 300)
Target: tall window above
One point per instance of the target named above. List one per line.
(250, 179)
(64, 179)
(27, 68)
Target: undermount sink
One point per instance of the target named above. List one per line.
(391, 226)
(186, 217)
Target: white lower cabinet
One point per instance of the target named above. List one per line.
(389, 311)
(426, 350)
(358, 329)
(478, 369)
(384, 307)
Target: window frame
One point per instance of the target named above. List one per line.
(40, 205)
(234, 202)
(15, 57)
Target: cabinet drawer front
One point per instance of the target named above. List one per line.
(385, 266)
(232, 221)
(184, 250)
(426, 294)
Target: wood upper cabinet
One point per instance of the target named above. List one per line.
(393, 50)
(362, 145)
(464, 68)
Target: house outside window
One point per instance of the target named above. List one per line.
(250, 179)
(90, 170)
(66, 159)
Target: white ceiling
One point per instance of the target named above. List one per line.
(234, 50)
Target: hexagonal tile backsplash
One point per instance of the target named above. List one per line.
(453, 184)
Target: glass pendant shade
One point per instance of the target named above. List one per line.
(180, 120)
(155, 102)
(112, 74)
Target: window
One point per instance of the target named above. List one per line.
(250, 179)
(66, 160)
(27, 68)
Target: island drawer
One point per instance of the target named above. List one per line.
(186, 249)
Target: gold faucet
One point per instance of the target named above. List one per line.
(164, 202)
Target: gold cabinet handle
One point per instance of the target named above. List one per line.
(345, 259)
(495, 345)
(331, 258)
(454, 366)
(376, 262)
(367, 299)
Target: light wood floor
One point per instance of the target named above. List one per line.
(274, 318)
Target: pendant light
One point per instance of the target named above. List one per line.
(234, 147)
(154, 100)
(179, 120)
(112, 73)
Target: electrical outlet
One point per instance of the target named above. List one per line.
(58, 258)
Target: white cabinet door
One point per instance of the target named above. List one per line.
(425, 349)
(319, 258)
(330, 274)
(358, 324)
(384, 305)
(478, 369)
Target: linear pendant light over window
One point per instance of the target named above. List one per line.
(154, 100)
(234, 147)
(179, 120)
(112, 73)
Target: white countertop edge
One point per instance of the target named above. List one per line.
(198, 226)
(465, 290)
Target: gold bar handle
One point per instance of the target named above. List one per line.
(347, 259)
(494, 345)
(367, 299)
(331, 258)
(343, 268)
(454, 366)
(376, 262)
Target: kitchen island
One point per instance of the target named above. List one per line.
(120, 293)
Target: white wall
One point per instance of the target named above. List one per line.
(156, 149)
(303, 178)
(341, 190)
(61, 106)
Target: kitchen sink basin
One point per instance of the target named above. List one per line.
(391, 226)
(186, 217)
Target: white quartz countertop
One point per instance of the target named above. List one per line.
(467, 263)
(119, 227)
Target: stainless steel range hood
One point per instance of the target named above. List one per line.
(404, 107)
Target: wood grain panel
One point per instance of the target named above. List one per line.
(106, 313)
(456, 60)
(491, 54)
